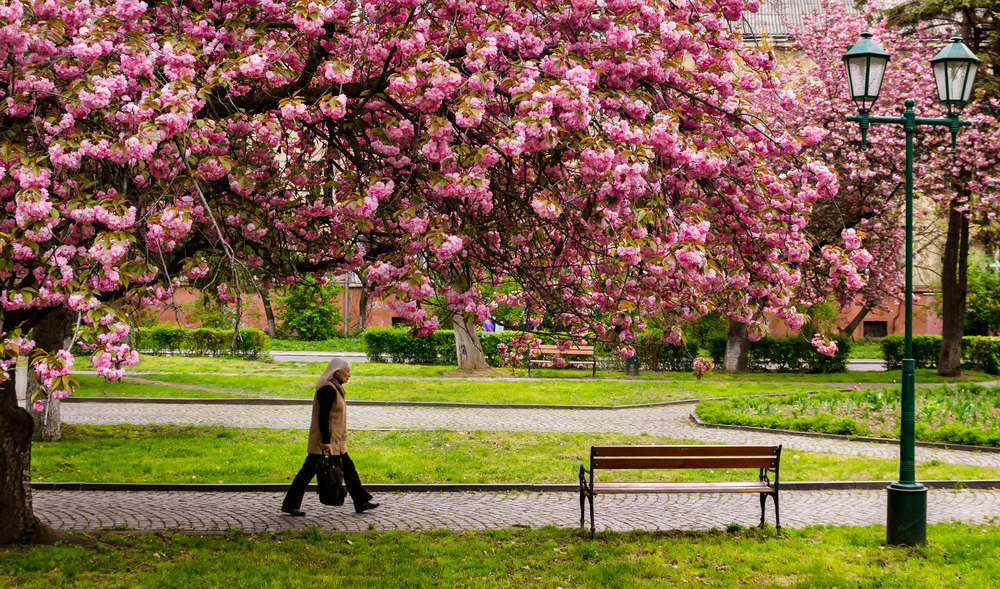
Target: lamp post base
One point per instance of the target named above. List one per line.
(906, 518)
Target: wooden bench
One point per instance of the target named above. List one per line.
(572, 350)
(765, 458)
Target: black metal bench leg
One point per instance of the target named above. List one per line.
(593, 529)
(583, 508)
(763, 507)
(777, 515)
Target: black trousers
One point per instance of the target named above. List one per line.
(293, 499)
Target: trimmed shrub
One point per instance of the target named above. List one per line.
(203, 341)
(983, 351)
(979, 350)
(786, 354)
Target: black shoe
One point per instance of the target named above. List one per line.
(293, 512)
(365, 507)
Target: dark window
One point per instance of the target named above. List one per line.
(397, 321)
(876, 329)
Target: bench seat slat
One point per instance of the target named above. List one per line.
(685, 462)
(555, 350)
(682, 487)
(604, 451)
(568, 362)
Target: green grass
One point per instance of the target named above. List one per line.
(441, 390)
(166, 364)
(337, 344)
(153, 454)
(958, 555)
(866, 351)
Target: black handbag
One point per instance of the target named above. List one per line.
(330, 481)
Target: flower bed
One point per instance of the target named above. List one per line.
(968, 414)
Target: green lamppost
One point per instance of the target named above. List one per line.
(954, 73)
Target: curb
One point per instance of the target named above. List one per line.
(461, 487)
(960, 447)
(282, 401)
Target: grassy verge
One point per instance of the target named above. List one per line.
(825, 557)
(337, 344)
(443, 390)
(127, 453)
(169, 364)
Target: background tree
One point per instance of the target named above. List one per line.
(971, 195)
(310, 309)
(868, 205)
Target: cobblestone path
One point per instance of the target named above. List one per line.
(671, 421)
(74, 510)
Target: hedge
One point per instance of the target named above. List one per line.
(202, 341)
(979, 350)
(785, 354)
(397, 344)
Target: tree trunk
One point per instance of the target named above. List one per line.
(954, 285)
(853, 325)
(737, 348)
(467, 345)
(18, 523)
(265, 297)
(51, 334)
(363, 310)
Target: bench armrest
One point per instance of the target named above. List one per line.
(584, 487)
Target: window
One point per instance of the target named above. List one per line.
(876, 328)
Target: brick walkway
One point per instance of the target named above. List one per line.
(671, 421)
(73, 510)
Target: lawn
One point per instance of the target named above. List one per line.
(337, 344)
(958, 555)
(440, 390)
(168, 364)
(152, 454)
(866, 351)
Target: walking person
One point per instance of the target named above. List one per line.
(328, 435)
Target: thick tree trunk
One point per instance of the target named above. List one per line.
(467, 345)
(265, 297)
(954, 285)
(737, 348)
(18, 523)
(853, 325)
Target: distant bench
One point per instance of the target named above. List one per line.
(765, 458)
(572, 350)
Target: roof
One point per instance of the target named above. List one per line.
(775, 17)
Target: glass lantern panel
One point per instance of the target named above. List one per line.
(956, 79)
(939, 81)
(856, 69)
(875, 73)
(968, 85)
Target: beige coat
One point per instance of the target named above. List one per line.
(338, 424)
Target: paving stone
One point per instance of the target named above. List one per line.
(203, 512)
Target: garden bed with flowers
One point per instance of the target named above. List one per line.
(966, 414)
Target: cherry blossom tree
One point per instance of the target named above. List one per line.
(870, 200)
(616, 161)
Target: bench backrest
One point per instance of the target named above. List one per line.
(550, 349)
(667, 457)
